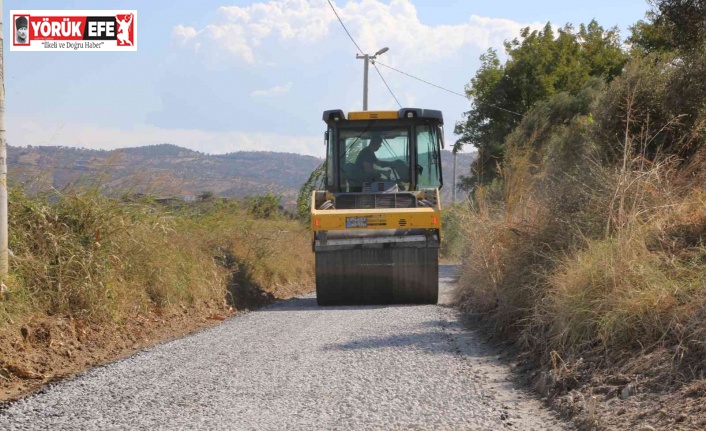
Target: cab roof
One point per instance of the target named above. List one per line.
(338, 114)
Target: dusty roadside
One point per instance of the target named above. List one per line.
(44, 348)
(640, 391)
(50, 348)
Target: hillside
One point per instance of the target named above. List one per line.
(163, 169)
(171, 170)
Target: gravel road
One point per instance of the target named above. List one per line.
(295, 366)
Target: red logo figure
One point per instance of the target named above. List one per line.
(124, 26)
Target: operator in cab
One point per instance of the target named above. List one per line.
(367, 159)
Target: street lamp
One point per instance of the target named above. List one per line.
(367, 58)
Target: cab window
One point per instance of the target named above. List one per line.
(428, 156)
(394, 149)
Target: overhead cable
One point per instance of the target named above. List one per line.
(361, 51)
(446, 89)
(344, 26)
(407, 74)
(385, 82)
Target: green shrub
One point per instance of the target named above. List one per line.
(265, 207)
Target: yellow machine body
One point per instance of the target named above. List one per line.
(382, 218)
(376, 232)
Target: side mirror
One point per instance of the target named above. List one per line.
(441, 136)
(326, 137)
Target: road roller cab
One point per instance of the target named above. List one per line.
(377, 225)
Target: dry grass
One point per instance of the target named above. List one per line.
(608, 257)
(500, 272)
(643, 282)
(81, 254)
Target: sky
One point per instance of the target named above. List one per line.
(220, 76)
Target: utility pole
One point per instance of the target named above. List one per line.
(4, 264)
(367, 58)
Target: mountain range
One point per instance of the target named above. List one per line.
(169, 170)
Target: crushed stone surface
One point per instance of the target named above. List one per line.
(296, 366)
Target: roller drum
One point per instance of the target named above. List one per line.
(377, 275)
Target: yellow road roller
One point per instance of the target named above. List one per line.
(377, 225)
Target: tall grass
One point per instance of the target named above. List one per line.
(635, 277)
(452, 240)
(569, 251)
(643, 282)
(79, 253)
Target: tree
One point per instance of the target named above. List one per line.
(671, 25)
(540, 64)
(490, 100)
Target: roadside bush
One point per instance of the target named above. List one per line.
(265, 206)
(593, 237)
(641, 284)
(660, 101)
(81, 254)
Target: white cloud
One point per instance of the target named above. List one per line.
(373, 23)
(233, 38)
(183, 34)
(273, 91)
(289, 19)
(36, 131)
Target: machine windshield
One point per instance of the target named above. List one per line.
(374, 154)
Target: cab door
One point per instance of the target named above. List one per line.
(428, 156)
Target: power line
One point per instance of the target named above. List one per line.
(344, 26)
(506, 110)
(420, 79)
(446, 89)
(361, 51)
(405, 73)
(385, 82)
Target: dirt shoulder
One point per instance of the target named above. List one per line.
(639, 391)
(45, 349)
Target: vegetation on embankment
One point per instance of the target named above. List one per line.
(101, 259)
(585, 231)
(85, 266)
